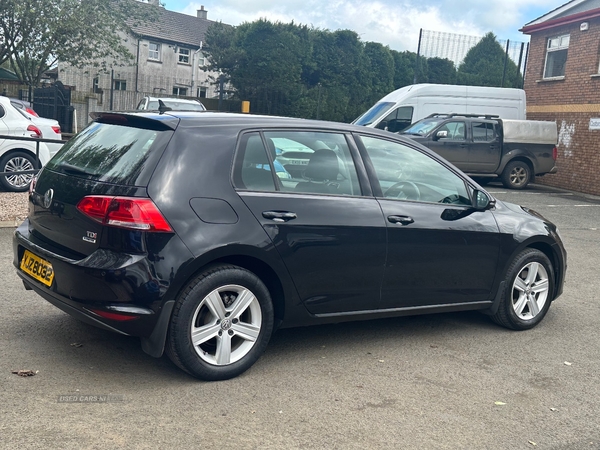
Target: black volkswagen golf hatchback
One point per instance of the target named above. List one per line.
(202, 233)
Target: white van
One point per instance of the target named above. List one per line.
(397, 110)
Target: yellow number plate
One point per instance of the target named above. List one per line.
(38, 268)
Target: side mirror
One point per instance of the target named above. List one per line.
(440, 135)
(481, 201)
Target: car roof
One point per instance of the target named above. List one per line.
(174, 118)
(174, 99)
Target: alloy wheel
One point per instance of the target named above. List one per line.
(530, 291)
(226, 325)
(18, 164)
(518, 176)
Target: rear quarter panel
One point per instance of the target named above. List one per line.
(196, 170)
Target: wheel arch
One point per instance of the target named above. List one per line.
(552, 255)
(21, 150)
(269, 275)
(266, 274)
(547, 249)
(519, 157)
(154, 345)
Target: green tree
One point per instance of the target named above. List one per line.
(404, 68)
(262, 60)
(381, 63)
(344, 74)
(440, 71)
(36, 34)
(484, 65)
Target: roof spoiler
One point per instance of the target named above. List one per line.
(139, 120)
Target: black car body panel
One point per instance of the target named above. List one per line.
(340, 258)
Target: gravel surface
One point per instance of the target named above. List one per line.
(13, 206)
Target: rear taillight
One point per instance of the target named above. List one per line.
(56, 129)
(32, 112)
(124, 212)
(35, 131)
(554, 153)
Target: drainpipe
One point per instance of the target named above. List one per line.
(194, 69)
(137, 65)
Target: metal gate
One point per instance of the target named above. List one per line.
(54, 102)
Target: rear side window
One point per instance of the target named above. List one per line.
(311, 162)
(483, 132)
(112, 153)
(253, 168)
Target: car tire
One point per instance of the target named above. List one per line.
(15, 162)
(221, 323)
(528, 291)
(516, 175)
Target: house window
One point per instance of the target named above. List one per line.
(179, 91)
(556, 56)
(184, 55)
(202, 92)
(120, 85)
(95, 87)
(154, 51)
(201, 60)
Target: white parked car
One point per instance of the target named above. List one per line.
(16, 155)
(176, 104)
(50, 129)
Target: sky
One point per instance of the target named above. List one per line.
(394, 23)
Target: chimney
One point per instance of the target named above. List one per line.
(202, 13)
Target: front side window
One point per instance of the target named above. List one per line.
(455, 131)
(154, 51)
(556, 56)
(397, 120)
(296, 161)
(404, 173)
(184, 55)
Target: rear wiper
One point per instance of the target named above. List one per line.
(69, 168)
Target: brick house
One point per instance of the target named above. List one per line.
(168, 61)
(562, 83)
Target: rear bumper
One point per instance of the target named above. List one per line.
(121, 285)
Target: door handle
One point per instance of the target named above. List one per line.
(404, 220)
(279, 216)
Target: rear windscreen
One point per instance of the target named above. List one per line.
(112, 153)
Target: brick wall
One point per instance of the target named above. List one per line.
(571, 102)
